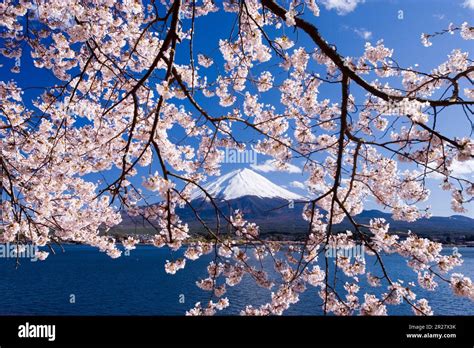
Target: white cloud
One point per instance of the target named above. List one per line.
(363, 33)
(269, 166)
(464, 170)
(439, 16)
(344, 6)
(297, 184)
(468, 4)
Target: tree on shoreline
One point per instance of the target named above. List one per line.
(128, 74)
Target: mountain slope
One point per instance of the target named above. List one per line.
(269, 205)
(241, 183)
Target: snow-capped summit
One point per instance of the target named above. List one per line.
(243, 182)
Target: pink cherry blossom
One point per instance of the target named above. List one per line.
(135, 118)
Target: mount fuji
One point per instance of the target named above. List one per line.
(278, 211)
(241, 183)
(261, 201)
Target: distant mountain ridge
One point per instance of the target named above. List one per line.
(269, 205)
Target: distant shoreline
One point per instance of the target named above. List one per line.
(287, 242)
(283, 242)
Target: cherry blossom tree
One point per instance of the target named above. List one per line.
(128, 72)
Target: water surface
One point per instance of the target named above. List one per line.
(138, 285)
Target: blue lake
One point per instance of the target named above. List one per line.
(138, 285)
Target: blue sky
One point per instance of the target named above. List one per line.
(370, 20)
(399, 24)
